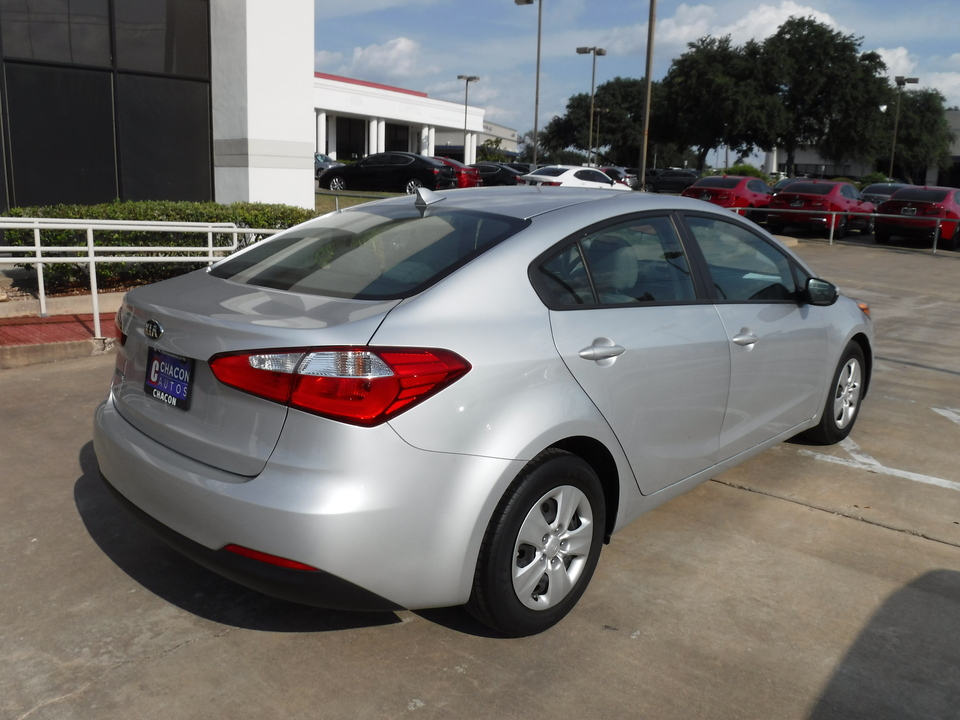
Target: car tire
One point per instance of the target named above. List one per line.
(840, 231)
(882, 237)
(843, 403)
(775, 227)
(411, 187)
(869, 228)
(541, 546)
(337, 184)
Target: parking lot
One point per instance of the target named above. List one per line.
(810, 582)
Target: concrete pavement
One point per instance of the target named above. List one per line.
(810, 582)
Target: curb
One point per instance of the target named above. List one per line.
(14, 356)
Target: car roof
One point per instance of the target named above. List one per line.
(528, 202)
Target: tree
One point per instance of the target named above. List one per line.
(923, 135)
(830, 94)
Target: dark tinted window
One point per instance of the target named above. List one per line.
(164, 138)
(758, 186)
(919, 194)
(61, 135)
(717, 182)
(370, 254)
(67, 31)
(636, 262)
(810, 188)
(169, 37)
(550, 171)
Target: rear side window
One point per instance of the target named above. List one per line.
(636, 262)
(809, 188)
(718, 182)
(372, 254)
(743, 266)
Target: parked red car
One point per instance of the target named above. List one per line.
(740, 193)
(920, 212)
(466, 176)
(826, 204)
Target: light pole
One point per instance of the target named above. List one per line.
(593, 80)
(900, 80)
(599, 112)
(651, 24)
(536, 96)
(467, 79)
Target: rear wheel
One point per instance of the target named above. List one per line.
(843, 404)
(882, 237)
(338, 184)
(869, 227)
(412, 185)
(775, 227)
(541, 546)
(840, 227)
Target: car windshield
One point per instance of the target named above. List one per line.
(920, 194)
(550, 171)
(809, 188)
(717, 182)
(374, 254)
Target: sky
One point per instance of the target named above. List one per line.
(424, 45)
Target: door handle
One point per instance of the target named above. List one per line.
(745, 338)
(602, 352)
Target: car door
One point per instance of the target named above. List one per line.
(778, 347)
(651, 353)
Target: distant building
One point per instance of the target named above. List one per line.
(192, 100)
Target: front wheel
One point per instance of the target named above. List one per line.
(541, 546)
(869, 227)
(843, 404)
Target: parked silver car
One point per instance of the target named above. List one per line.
(458, 397)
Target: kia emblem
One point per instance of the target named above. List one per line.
(153, 330)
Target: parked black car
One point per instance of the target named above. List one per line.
(390, 172)
(673, 181)
(496, 173)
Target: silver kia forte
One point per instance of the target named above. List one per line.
(456, 398)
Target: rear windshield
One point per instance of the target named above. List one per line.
(550, 171)
(380, 253)
(717, 182)
(920, 194)
(809, 188)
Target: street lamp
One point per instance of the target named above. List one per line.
(467, 79)
(900, 80)
(599, 112)
(536, 98)
(593, 79)
(651, 24)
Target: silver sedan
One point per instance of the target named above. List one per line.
(457, 398)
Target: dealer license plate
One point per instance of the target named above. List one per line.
(169, 378)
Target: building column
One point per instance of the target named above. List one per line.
(424, 140)
(432, 141)
(322, 132)
(332, 136)
(381, 134)
(262, 101)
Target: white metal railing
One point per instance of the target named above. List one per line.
(90, 254)
(939, 222)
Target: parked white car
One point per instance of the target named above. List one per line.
(570, 176)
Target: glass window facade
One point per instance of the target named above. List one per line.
(105, 100)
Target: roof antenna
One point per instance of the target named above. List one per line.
(426, 198)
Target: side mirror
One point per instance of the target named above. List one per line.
(820, 292)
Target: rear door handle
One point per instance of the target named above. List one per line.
(602, 352)
(745, 338)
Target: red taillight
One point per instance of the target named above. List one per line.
(933, 211)
(269, 559)
(357, 385)
(552, 184)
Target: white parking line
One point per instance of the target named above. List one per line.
(949, 414)
(861, 461)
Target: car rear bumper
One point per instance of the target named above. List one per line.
(387, 525)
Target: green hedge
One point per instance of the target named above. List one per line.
(63, 277)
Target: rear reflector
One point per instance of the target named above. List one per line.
(269, 559)
(357, 385)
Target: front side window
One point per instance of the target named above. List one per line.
(636, 262)
(374, 254)
(743, 266)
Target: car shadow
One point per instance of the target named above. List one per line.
(906, 662)
(181, 582)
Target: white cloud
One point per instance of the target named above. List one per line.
(323, 60)
(397, 59)
(899, 61)
(761, 22)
